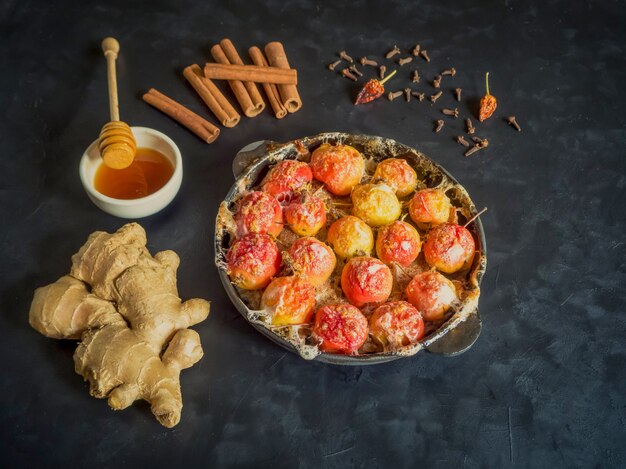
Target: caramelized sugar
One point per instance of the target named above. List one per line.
(149, 171)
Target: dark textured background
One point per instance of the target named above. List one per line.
(544, 385)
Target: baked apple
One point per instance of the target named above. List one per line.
(312, 259)
(339, 167)
(375, 204)
(252, 261)
(398, 242)
(306, 215)
(366, 280)
(430, 206)
(449, 247)
(285, 178)
(398, 174)
(340, 328)
(432, 294)
(258, 212)
(396, 324)
(290, 300)
(350, 236)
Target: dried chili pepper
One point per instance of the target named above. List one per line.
(487, 103)
(372, 90)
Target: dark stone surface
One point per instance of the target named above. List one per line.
(543, 386)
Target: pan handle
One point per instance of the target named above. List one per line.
(459, 339)
(248, 155)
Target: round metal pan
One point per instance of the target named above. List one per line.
(454, 336)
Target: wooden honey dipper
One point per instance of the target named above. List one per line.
(117, 144)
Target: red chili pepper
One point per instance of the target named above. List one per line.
(488, 103)
(372, 90)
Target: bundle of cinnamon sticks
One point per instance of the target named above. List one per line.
(271, 70)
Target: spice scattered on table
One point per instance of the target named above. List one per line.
(451, 112)
(439, 125)
(436, 96)
(331, 66)
(416, 50)
(392, 52)
(451, 72)
(348, 74)
(437, 81)
(470, 127)
(461, 140)
(488, 103)
(405, 61)
(346, 57)
(366, 61)
(511, 120)
(394, 94)
(457, 94)
(381, 71)
(355, 70)
(424, 54)
(372, 90)
(407, 94)
(415, 77)
(418, 95)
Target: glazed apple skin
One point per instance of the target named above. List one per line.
(291, 300)
(306, 215)
(430, 206)
(366, 280)
(432, 294)
(259, 212)
(398, 242)
(312, 259)
(396, 324)
(449, 248)
(375, 204)
(339, 167)
(350, 236)
(252, 261)
(285, 178)
(398, 174)
(340, 328)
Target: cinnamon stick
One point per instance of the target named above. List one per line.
(199, 126)
(270, 89)
(251, 88)
(212, 96)
(253, 73)
(243, 98)
(289, 93)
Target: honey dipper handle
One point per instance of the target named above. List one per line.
(111, 47)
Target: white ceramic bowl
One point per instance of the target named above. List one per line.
(144, 206)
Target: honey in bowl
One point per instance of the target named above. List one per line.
(149, 172)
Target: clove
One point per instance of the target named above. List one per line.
(451, 112)
(394, 94)
(415, 77)
(346, 57)
(418, 95)
(381, 71)
(450, 71)
(346, 73)
(407, 94)
(457, 94)
(470, 127)
(424, 54)
(472, 150)
(392, 52)
(481, 142)
(404, 61)
(366, 61)
(332, 66)
(416, 50)
(439, 125)
(511, 120)
(479, 146)
(462, 141)
(436, 96)
(355, 70)
(437, 81)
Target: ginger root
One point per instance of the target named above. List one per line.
(123, 306)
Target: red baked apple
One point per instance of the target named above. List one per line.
(375, 204)
(258, 212)
(312, 259)
(432, 294)
(339, 167)
(290, 300)
(350, 236)
(430, 206)
(285, 178)
(306, 215)
(366, 280)
(398, 174)
(449, 247)
(398, 242)
(252, 261)
(396, 324)
(340, 328)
